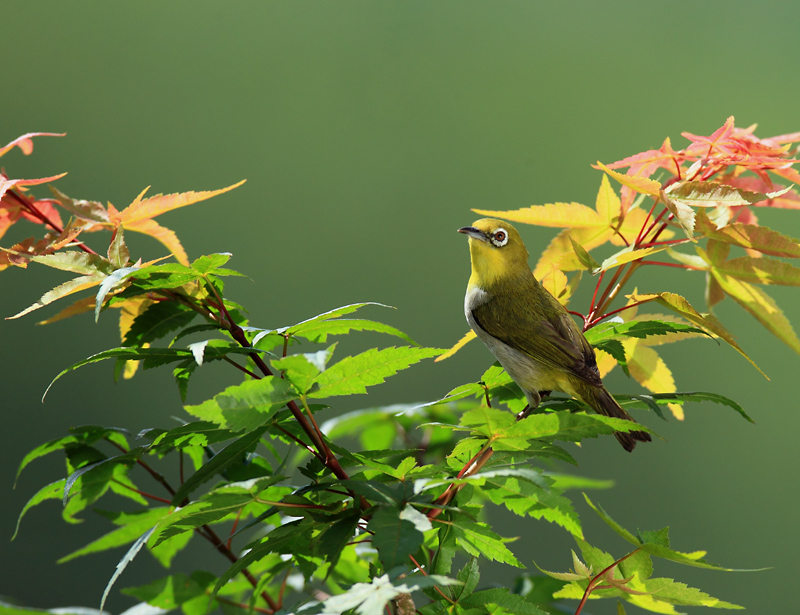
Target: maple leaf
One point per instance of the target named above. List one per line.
(793, 137)
(785, 199)
(644, 164)
(129, 310)
(719, 141)
(683, 308)
(7, 184)
(640, 184)
(25, 142)
(138, 216)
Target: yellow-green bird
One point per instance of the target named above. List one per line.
(529, 332)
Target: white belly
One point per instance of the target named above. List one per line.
(523, 369)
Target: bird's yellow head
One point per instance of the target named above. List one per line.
(496, 251)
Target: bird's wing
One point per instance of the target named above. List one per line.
(556, 342)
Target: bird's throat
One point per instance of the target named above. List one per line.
(488, 265)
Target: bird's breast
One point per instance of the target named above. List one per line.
(528, 373)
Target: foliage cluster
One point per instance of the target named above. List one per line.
(366, 512)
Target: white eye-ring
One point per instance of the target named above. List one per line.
(500, 237)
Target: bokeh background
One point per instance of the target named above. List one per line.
(367, 131)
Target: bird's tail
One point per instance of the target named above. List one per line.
(603, 403)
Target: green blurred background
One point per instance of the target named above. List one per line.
(367, 131)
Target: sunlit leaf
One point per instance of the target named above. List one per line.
(372, 598)
(760, 271)
(638, 329)
(468, 336)
(683, 213)
(25, 142)
(560, 254)
(110, 282)
(479, 540)
(655, 548)
(62, 290)
(629, 254)
(525, 497)
(761, 306)
(133, 525)
(637, 183)
(301, 369)
(683, 308)
(753, 237)
(584, 257)
(165, 236)
(645, 163)
(74, 262)
(91, 211)
(145, 209)
(559, 215)
(713, 194)
(319, 331)
(246, 405)
(718, 141)
(353, 374)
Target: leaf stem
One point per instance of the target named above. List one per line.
(313, 432)
(641, 236)
(241, 368)
(144, 494)
(233, 528)
(591, 587)
(326, 450)
(435, 587)
(157, 476)
(472, 467)
(30, 207)
(310, 449)
(655, 223)
(617, 311)
(666, 243)
(596, 288)
(604, 297)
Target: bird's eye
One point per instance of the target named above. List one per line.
(500, 238)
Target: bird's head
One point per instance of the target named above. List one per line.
(496, 251)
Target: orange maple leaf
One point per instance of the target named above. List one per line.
(719, 141)
(644, 164)
(25, 142)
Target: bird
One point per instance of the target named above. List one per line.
(527, 330)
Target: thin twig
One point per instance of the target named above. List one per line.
(241, 368)
(677, 265)
(159, 477)
(591, 587)
(144, 494)
(30, 207)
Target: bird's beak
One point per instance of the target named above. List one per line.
(472, 232)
